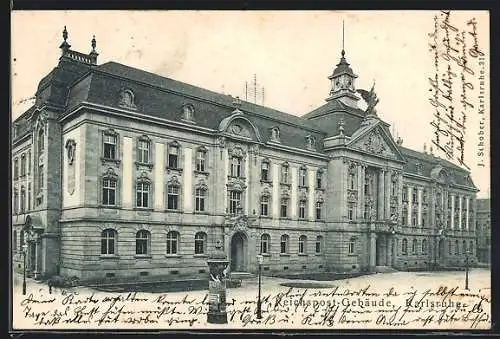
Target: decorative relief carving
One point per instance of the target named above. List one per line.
(266, 192)
(352, 195)
(302, 195)
(375, 143)
(201, 184)
(221, 141)
(236, 184)
(126, 99)
(70, 150)
(237, 151)
(174, 181)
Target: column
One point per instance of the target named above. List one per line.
(467, 202)
(158, 173)
(410, 204)
(225, 171)
(188, 180)
(360, 192)
(37, 257)
(452, 226)
(373, 250)
(387, 186)
(419, 213)
(311, 172)
(127, 180)
(247, 183)
(389, 250)
(380, 202)
(460, 197)
(400, 196)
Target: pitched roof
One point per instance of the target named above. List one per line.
(430, 162)
(163, 97)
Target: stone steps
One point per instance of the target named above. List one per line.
(384, 269)
(241, 275)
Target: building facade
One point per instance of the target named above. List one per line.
(122, 173)
(483, 230)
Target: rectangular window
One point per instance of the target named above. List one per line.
(109, 146)
(414, 219)
(350, 211)
(236, 167)
(405, 193)
(23, 165)
(284, 208)
(16, 168)
(234, 201)
(16, 202)
(144, 146)
(264, 172)
(200, 161)
(29, 162)
(414, 197)
(367, 186)
(143, 194)
(394, 188)
(284, 244)
(319, 210)
(302, 244)
(41, 181)
(351, 246)
(319, 179)
(173, 198)
(303, 177)
(366, 212)
(23, 201)
(302, 209)
(109, 192)
(352, 184)
(200, 200)
(264, 206)
(29, 197)
(284, 174)
(424, 217)
(173, 157)
(318, 244)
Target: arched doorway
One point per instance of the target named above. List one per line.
(239, 252)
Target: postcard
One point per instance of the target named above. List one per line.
(283, 170)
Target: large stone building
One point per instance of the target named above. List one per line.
(118, 172)
(483, 230)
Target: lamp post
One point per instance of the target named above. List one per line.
(260, 258)
(467, 270)
(24, 268)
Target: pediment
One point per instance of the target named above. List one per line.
(378, 142)
(238, 126)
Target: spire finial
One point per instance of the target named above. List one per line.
(64, 45)
(93, 43)
(65, 33)
(341, 126)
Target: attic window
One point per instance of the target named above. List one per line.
(310, 142)
(419, 168)
(127, 99)
(275, 134)
(188, 112)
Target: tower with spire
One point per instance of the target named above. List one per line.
(342, 81)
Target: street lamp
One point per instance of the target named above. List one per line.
(25, 247)
(259, 302)
(467, 270)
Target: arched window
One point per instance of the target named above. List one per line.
(319, 244)
(319, 210)
(414, 246)
(142, 239)
(404, 246)
(284, 207)
(424, 246)
(302, 244)
(464, 246)
(265, 241)
(457, 249)
(172, 242)
(352, 244)
(41, 141)
(450, 246)
(236, 166)
(200, 240)
(108, 241)
(471, 247)
(284, 244)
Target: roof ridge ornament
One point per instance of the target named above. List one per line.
(65, 46)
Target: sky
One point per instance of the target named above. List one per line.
(291, 53)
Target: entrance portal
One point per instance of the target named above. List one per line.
(239, 252)
(381, 250)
